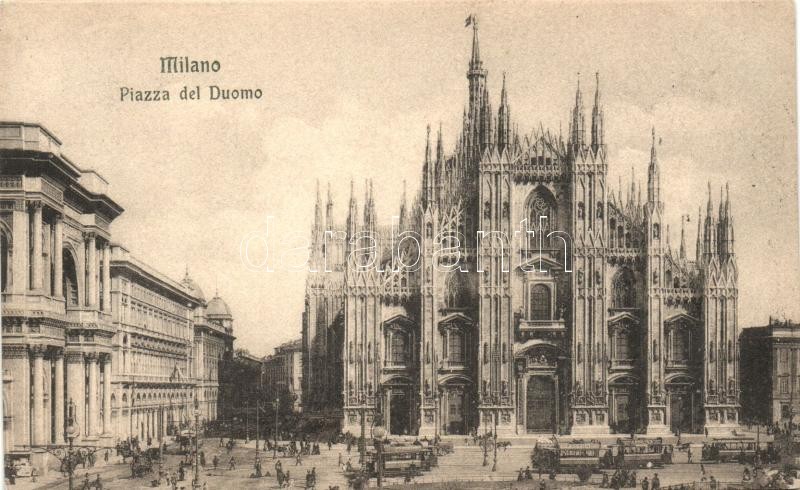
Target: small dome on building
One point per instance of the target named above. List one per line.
(217, 308)
(192, 286)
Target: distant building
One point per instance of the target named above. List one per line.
(770, 365)
(283, 371)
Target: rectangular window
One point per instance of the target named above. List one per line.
(784, 384)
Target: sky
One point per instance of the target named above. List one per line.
(348, 89)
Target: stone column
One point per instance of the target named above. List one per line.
(58, 395)
(91, 263)
(36, 282)
(107, 395)
(76, 373)
(58, 259)
(37, 426)
(93, 412)
(107, 278)
(47, 256)
(19, 248)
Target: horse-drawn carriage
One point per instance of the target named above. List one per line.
(444, 448)
(143, 462)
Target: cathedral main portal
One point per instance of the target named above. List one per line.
(541, 404)
(400, 412)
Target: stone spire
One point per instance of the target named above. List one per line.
(682, 251)
(318, 224)
(597, 118)
(503, 120)
(653, 175)
(429, 177)
(329, 210)
(577, 128)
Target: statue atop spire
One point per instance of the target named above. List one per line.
(475, 60)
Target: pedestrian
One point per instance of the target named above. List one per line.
(202, 458)
(232, 464)
(215, 461)
(97, 483)
(656, 485)
(299, 460)
(34, 475)
(340, 460)
(645, 484)
(105, 458)
(689, 454)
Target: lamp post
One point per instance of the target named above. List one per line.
(494, 463)
(362, 442)
(378, 434)
(275, 447)
(196, 482)
(258, 427)
(485, 444)
(71, 432)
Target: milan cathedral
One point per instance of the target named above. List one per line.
(592, 323)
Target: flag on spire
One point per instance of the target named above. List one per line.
(470, 20)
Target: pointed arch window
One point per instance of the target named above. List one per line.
(399, 348)
(624, 289)
(541, 302)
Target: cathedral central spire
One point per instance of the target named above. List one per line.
(653, 174)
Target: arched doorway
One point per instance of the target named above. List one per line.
(541, 404)
(69, 279)
(399, 412)
(625, 405)
(683, 402)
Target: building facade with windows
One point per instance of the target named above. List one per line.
(283, 372)
(82, 320)
(527, 294)
(771, 372)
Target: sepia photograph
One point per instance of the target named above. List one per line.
(402, 244)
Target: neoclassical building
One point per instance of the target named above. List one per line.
(528, 294)
(83, 320)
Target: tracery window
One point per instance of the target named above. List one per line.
(681, 345)
(399, 351)
(624, 289)
(540, 302)
(542, 204)
(454, 344)
(623, 342)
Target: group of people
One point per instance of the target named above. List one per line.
(624, 478)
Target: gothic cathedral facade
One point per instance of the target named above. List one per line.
(519, 293)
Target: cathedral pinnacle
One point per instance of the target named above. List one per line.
(475, 60)
(653, 174)
(597, 118)
(577, 128)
